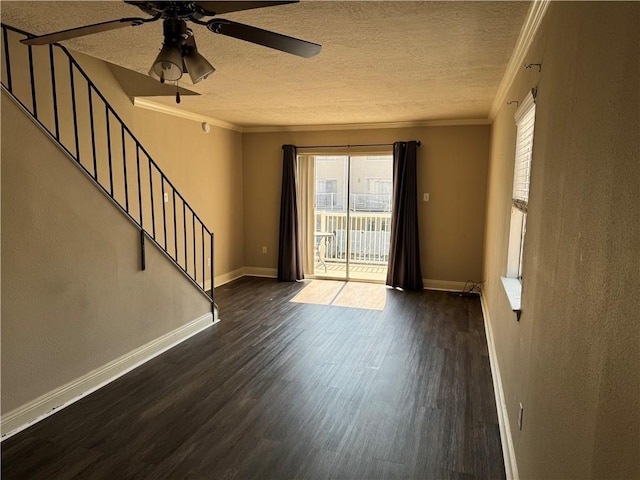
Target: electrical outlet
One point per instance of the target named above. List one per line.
(426, 197)
(208, 261)
(264, 250)
(166, 197)
(520, 414)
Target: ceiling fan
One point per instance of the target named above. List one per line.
(179, 53)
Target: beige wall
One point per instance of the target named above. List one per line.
(452, 167)
(74, 297)
(573, 359)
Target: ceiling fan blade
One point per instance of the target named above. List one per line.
(217, 8)
(86, 30)
(295, 46)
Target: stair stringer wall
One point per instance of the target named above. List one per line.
(74, 297)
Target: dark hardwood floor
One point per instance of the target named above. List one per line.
(282, 390)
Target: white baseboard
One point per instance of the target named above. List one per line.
(508, 450)
(54, 401)
(429, 284)
(242, 272)
(229, 277)
(444, 285)
(260, 272)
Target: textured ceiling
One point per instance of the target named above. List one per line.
(381, 61)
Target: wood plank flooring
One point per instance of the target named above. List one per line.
(282, 390)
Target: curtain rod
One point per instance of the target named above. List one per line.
(419, 143)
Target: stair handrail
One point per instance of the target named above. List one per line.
(184, 263)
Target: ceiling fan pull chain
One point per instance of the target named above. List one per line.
(177, 93)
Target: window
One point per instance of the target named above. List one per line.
(327, 193)
(525, 122)
(326, 185)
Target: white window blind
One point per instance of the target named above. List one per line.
(525, 121)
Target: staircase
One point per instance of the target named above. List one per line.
(55, 92)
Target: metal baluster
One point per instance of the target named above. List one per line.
(75, 114)
(143, 257)
(139, 189)
(164, 212)
(153, 215)
(33, 83)
(175, 228)
(124, 167)
(93, 135)
(54, 92)
(212, 286)
(106, 111)
(193, 232)
(7, 58)
(184, 220)
(204, 275)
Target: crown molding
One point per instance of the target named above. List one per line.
(365, 126)
(527, 34)
(177, 112)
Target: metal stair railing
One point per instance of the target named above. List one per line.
(72, 116)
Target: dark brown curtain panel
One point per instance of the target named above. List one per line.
(404, 252)
(289, 252)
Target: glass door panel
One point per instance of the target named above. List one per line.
(370, 197)
(330, 216)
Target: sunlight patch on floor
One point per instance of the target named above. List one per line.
(368, 296)
(319, 292)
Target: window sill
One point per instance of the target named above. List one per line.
(513, 289)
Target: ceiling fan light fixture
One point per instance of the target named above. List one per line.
(168, 63)
(153, 75)
(198, 67)
(179, 41)
(178, 38)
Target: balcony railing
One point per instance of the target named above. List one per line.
(329, 201)
(370, 202)
(369, 236)
(360, 202)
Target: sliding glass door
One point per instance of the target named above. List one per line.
(352, 197)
